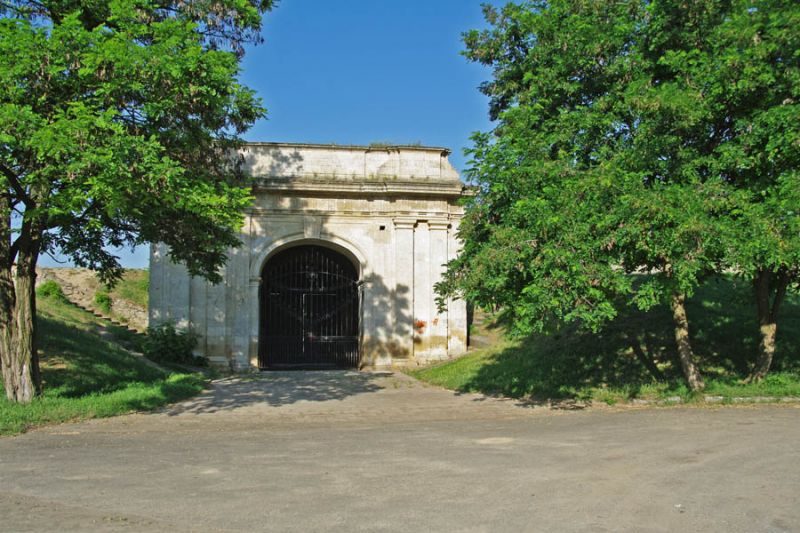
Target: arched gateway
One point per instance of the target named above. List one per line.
(309, 310)
(340, 252)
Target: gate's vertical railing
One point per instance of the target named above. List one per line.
(311, 304)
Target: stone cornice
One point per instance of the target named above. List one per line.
(430, 188)
(399, 217)
(352, 147)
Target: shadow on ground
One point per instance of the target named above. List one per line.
(637, 350)
(277, 389)
(79, 362)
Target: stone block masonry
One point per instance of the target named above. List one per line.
(393, 212)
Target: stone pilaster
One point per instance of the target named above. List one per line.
(456, 309)
(254, 287)
(403, 305)
(237, 312)
(438, 257)
(423, 299)
(197, 313)
(169, 291)
(155, 308)
(173, 287)
(215, 322)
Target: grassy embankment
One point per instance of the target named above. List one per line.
(89, 375)
(634, 357)
(132, 287)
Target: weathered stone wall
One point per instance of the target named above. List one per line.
(394, 212)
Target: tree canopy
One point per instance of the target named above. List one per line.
(639, 147)
(118, 124)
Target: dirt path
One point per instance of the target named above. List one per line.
(344, 451)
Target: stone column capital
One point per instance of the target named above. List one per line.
(438, 224)
(405, 223)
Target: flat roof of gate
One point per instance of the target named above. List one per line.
(367, 147)
(335, 162)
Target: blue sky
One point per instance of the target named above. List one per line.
(361, 71)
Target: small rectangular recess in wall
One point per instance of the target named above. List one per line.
(382, 227)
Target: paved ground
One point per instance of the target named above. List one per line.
(345, 451)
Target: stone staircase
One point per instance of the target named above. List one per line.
(113, 320)
(82, 297)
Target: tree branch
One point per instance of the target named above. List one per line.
(13, 180)
(17, 244)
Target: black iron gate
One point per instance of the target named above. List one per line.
(309, 310)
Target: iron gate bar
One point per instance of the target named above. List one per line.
(310, 310)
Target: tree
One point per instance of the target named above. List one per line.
(668, 209)
(731, 70)
(570, 91)
(748, 76)
(118, 124)
(614, 155)
(536, 233)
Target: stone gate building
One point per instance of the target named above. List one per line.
(339, 256)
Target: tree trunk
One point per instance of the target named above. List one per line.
(20, 363)
(25, 286)
(685, 353)
(12, 371)
(767, 319)
(8, 362)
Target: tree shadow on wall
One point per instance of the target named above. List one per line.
(388, 331)
(279, 164)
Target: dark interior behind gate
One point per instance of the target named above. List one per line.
(309, 310)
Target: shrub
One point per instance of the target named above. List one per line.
(103, 300)
(166, 343)
(51, 289)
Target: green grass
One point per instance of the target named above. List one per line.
(634, 357)
(88, 376)
(102, 299)
(133, 287)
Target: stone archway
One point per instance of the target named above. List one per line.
(393, 212)
(309, 309)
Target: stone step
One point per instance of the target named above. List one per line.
(113, 321)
